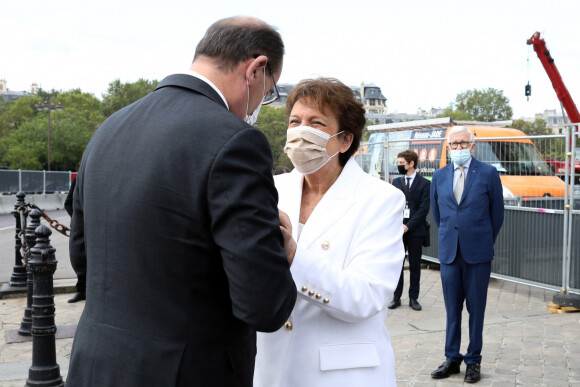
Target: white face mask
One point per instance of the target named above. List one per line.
(306, 148)
(251, 119)
(460, 156)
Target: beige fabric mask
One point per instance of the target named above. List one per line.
(306, 148)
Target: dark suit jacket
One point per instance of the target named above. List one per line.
(176, 208)
(420, 193)
(68, 202)
(476, 221)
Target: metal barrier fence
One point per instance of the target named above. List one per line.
(34, 182)
(538, 243)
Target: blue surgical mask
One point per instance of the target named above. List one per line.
(460, 156)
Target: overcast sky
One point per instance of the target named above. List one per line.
(420, 53)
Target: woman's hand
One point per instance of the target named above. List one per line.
(289, 242)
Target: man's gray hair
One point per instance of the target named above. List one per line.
(460, 129)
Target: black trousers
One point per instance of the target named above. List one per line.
(81, 285)
(414, 248)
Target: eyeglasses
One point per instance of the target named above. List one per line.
(272, 95)
(464, 144)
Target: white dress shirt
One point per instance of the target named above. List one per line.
(412, 179)
(457, 171)
(199, 76)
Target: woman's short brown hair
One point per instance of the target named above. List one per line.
(332, 95)
(409, 155)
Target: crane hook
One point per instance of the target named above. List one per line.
(528, 90)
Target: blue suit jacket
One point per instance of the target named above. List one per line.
(476, 221)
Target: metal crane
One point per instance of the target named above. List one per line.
(554, 75)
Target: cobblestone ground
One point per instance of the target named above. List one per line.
(524, 344)
(17, 357)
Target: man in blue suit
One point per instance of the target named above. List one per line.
(467, 203)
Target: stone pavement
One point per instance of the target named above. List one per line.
(524, 344)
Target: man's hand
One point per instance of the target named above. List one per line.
(289, 242)
(405, 228)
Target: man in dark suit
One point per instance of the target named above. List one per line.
(80, 269)
(467, 202)
(416, 189)
(176, 210)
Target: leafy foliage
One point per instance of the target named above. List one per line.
(456, 115)
(479, 105)
(25, 146)
(550, 148)
(273, 122)
(119, 94)
(538, 127)
(484, 105)
(14, 113)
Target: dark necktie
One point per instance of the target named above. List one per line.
(408, 182)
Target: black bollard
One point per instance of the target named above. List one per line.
(44, 370)
(29, 241)
(19, 275)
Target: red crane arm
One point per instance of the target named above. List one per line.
(554, 75)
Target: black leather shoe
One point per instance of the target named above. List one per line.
(472, 374)
(78, 296)
(447, 368)
(413, 303)
(395, 303)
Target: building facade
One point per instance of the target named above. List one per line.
(556, 122)
(373, 100)
(9, 95)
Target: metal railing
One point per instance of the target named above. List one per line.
(34, 182)
(536, 244)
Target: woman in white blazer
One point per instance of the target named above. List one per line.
(344, 232)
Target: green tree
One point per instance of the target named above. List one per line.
(46, 95)
(119, 94)
(14, 113)
(366, 134)
(538, 127)
(484, 105)
(456, 115)
(71, 130)
(550, 148)
(273, 122)
(80, 117)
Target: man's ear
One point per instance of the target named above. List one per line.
(255, 67)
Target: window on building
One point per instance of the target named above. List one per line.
(372, 102)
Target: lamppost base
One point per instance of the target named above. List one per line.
(44, 376)
(19, 276)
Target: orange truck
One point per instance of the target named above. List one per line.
(523, 172)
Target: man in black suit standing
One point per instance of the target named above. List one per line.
(176, 212)
(80, 270)
(416, 189)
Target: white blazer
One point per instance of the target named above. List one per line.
(347, 266)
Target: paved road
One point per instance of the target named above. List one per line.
(8, 220)
(59, 241)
